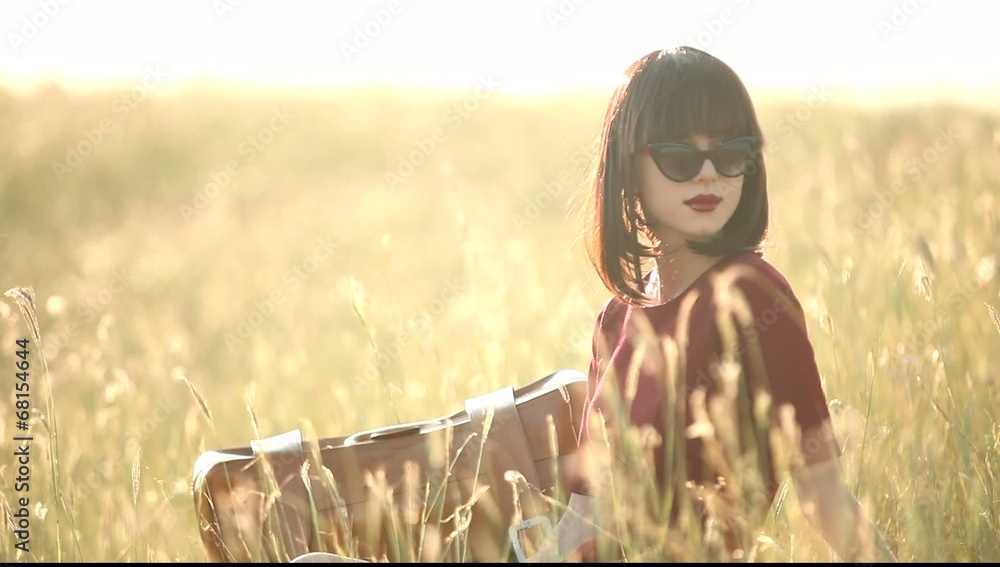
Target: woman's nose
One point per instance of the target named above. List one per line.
(707, 172)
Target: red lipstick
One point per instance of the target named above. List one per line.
(704, 203)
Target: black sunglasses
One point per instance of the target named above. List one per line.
(682, 162)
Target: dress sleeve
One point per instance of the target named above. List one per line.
(778, 355)
(600, 360)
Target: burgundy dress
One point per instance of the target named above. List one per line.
(773, 350)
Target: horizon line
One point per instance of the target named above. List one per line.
(912, 90)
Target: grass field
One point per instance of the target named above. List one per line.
(214, 243)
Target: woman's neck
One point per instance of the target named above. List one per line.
(677, 270)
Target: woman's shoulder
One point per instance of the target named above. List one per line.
(752, 267)
(755, 277)
(749, 272)
(614, 308)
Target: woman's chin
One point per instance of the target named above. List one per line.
(702, 235)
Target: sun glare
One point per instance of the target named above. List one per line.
(525, 47)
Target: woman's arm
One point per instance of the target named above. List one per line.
(777, 352)
(828, 504)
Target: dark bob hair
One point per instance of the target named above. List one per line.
(665, 96)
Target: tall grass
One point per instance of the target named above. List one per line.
(474, 279)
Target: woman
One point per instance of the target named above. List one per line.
(700, 330)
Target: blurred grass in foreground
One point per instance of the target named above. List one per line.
(210, 240)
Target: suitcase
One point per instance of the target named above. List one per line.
(433, 490)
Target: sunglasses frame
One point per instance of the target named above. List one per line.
(752, 147)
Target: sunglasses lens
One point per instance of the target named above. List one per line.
(731, 162)
(679, 165)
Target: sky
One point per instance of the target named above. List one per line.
(521, 46)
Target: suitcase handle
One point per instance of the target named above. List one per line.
(406, 429)
(388, 432)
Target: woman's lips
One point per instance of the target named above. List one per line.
(704, 203)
